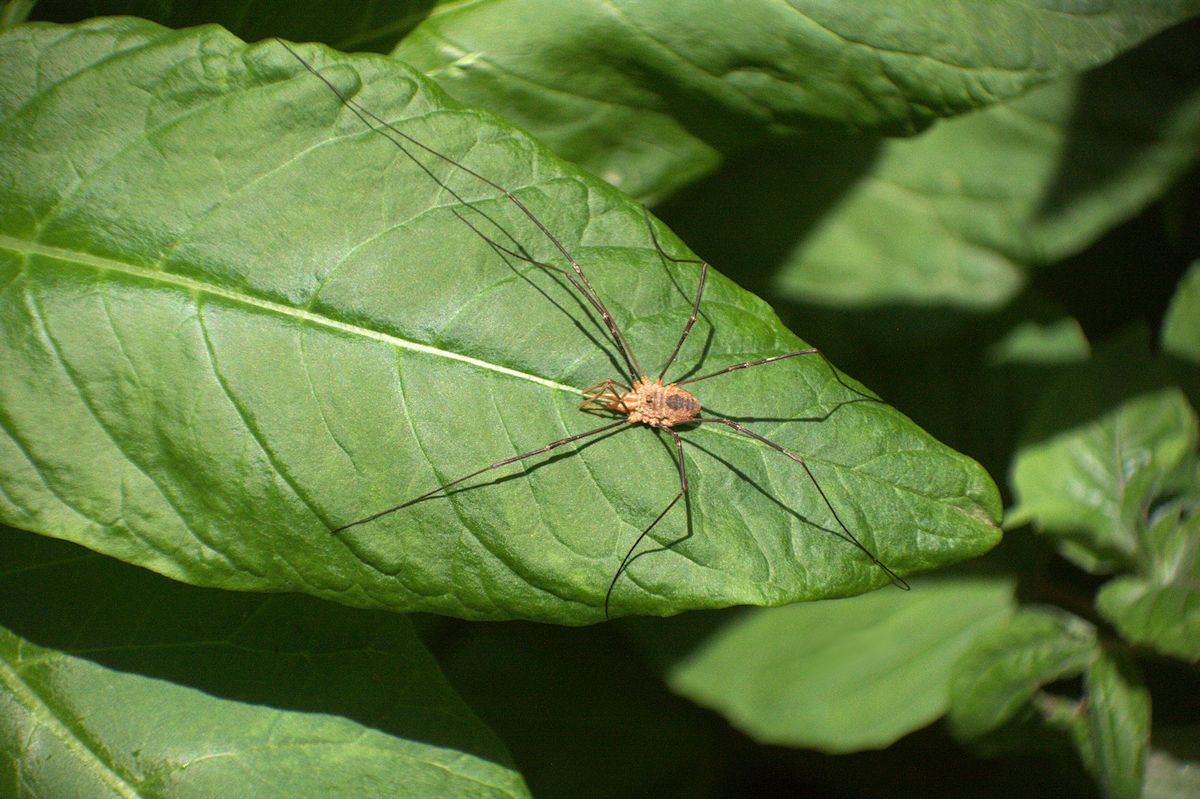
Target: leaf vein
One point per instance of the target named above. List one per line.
(277, 466)
(269, 306)
(39, 317)
(11, 678)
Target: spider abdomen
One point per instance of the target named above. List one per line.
(652, 403)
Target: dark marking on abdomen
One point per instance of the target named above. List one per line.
(677, 402)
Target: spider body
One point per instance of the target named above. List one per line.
(648, 401)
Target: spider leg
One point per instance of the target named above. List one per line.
(629, 554)
(622, 346)
(759, 362)
(442, 488)
(773, 359)
(897, 580)
(399, 138)
(594, 398)
(687, 327)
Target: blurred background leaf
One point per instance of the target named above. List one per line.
(1004, 667)
(1104, 442)
(837, 677)
(1113, 733)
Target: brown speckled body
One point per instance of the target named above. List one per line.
(649, 401)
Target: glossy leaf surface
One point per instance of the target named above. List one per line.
(235, 319)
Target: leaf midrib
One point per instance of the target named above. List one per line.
(28, 248)
(23, 246)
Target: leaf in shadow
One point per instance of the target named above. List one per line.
(119, 681)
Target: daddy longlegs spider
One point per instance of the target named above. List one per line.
(643, 400)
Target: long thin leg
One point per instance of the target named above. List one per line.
(593, 395)
(682, 490)
(595, 301)
(384, 127)
(748, 364)
(897, 580)
(496, 465)
(687, 327)
(773, 359)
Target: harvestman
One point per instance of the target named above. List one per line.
(649, 401)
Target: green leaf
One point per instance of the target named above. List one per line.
(957, 215)
(1003, 669)
(846, 675)
(121, 683)
(1161, 605)
(1113, 735)
(235, 319)
(1166, 617)
(976, 379)
(1181, 326)
(599, 83)
(14, 12)
(1105, 439)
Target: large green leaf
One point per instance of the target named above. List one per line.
(650, 94)
(841, 676)
(234, 319)
(121, 683)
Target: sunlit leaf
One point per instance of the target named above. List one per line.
(235, 319)
(1106, 437)
(1160, 605)
(1113, 735)
(956, 216)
